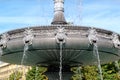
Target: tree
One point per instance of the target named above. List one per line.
(77, 73)
(90, 73)
(15, 76)
(36, 73)
(110, 72)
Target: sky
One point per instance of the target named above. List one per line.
(16, 14)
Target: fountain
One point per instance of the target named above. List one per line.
(60, 46)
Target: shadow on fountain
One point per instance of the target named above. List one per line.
(53, 72)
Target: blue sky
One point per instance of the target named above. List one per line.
(16, 14)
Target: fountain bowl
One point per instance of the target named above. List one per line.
(44, 49)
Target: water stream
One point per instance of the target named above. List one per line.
(60, 71)
(16, 69)
(24, 53)
(79, 72)
(117, 66)
(36, 73)
(26, 46)
(1, 51)
(95, 51)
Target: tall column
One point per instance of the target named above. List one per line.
(59, 12)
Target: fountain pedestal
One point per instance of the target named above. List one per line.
(53, 73)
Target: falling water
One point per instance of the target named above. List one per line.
(23, 58)
(79, 72)
(60, 71)
(95, 51)
(36, 73)
(117, 66)
(1, 51)
(16, 69)
(80, 8)
(24, 53)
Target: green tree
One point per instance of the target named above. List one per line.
(110, 72)
(15, 76)
(85, 73)
(90, 73)
(36, 73)
(77, 73)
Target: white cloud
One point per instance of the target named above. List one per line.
(24, 20)
(102, 14)
(105, 23)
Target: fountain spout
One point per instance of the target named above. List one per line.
(3, 41)
(116, 40)
(28, 36)
(92, 36)
(59, 13)
(60, 35)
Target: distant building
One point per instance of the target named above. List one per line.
(7, 69)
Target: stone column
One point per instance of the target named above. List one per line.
(59, 12)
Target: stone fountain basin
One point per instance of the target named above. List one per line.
(45, 49)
